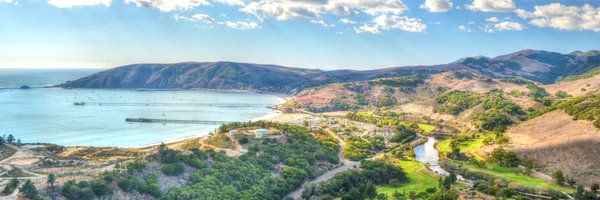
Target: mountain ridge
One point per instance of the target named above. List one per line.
(537, 65)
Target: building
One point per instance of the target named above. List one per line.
(259, 133)
(233, 132)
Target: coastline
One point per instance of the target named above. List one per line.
(269, 116)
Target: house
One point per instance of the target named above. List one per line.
(387, 131)
(259, 133)
(233, 132)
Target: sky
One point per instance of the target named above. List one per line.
(324, 34)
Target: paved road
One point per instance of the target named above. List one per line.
(346, 164)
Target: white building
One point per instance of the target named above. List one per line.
(233, 132)
(259, 133)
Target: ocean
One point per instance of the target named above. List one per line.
(48, 115)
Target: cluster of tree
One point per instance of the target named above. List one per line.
(386, 101)
(85, 190)
(358, 148)
(145, 185)
(581, 108)
(492, 120)
(539, 94)
(402, 81)
(10, 187)
(562, 94)
(456, 101)
(357, 184)
(586, 107)
(250, 124)
(503, 158)
(462, 75)
(498, 112)
(404, 134)
(494, 99)
(588, 74)
(455, 153)
(337, 104)
(360, 100)
(517, 80)
(249, 176)
(10, 139)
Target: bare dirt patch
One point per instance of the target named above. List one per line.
(577, 87)
(557, 142)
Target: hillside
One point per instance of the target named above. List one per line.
(389, 92)
(577, 87)
(541, 66)
(558, 142)
(230, 76)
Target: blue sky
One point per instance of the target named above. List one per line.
(326, 34)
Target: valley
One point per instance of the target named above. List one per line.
(502, 132)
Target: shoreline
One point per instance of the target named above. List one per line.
(272, 115)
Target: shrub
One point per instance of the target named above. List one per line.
(173, 169)
(101, 189)
(11, 186)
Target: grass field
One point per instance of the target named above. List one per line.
(427, 127)
(419, 179)
(515, 175)
(512, 174)
(470, 146)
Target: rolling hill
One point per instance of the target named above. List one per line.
(541, 66)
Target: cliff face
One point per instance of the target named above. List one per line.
(541, 66)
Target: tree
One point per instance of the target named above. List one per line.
(100, 188)
(10, 139)
(559, 177)
(29, 190)
(445, 195)
(595, 187)
(51, 179)
(571, 182)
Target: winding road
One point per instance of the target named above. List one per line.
(346, 164)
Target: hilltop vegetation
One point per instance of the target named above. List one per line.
(591, 73)
(541, 66)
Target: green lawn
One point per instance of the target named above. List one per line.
(515, 175)
(508, 173)
(470, 146)
(419, 179)
(427, 127)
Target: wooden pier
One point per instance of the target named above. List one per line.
(200, 105)
(173, 121)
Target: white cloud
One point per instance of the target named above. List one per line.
(6, 1)
(204, 18)
(231, 2)
(347, 21)
(312, 9)
(488, 28)
(464, 28)
(492, 5)
(240, 25)
(508, 26)
(75, 3)
(437, 5)
(169, 5)
(385, 22)
(492, 19)
(558, 16)
(210, 20)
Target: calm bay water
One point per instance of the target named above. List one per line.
(48, 114)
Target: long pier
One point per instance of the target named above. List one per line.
(202, 105)
(173, 121)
